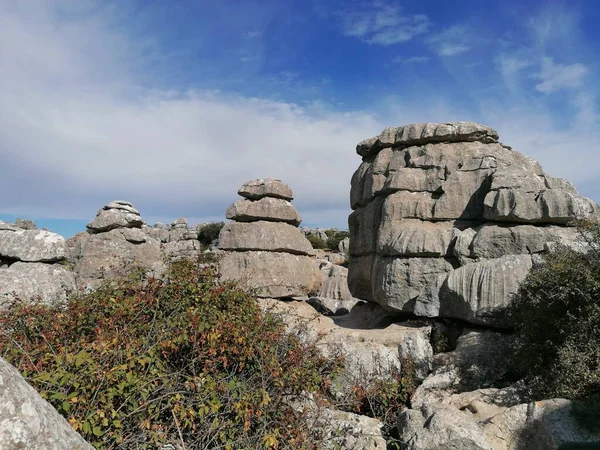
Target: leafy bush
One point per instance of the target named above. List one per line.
(316, 241)
(187, 361)
(209, 233)
(334, 240)
(556, 314)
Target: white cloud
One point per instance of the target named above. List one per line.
(555, 77)
(384, 24)
(411, 60)
(78, 130)
(451, 41)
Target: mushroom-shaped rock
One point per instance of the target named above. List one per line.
(267, 208)
(116, 214)
(268, 187)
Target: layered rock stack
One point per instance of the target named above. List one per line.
(32, 265)
(265, 249)
(178, 240)
(447, 221)
(114, 244)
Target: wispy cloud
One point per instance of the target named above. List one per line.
(253, 34)
(384, 24)
(555, 77)
(411, 60)
(450, 41)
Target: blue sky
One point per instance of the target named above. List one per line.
(173, 105)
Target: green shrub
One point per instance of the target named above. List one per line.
(334, 240)
(316, 241)
(556, 314)
(187, 361)
(210, 233)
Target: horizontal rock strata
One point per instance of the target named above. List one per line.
(446, 220)
(265, 249)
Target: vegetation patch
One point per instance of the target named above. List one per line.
(556, 314)
(187, 361)
(210, 233)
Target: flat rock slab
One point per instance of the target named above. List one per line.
(32, 245)
(26, 282)
(27, 421)
(425, 133)
(265, 236)
(268, 187)
(272, 274)
(110, 219)
(267, 208)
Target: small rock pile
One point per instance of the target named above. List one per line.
(178, 240)
(265, 249)
(31, 265)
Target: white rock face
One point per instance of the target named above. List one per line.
(27, 421)
(32, 246)
(438, 210)
(26, 282)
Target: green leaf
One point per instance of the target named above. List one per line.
(97, 431)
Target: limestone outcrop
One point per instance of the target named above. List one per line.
(29, 422)
(116, 242)
(32, 265)
(264, 248)
(448, 221)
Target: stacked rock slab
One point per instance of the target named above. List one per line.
(265, 249)
(447, 220)
(31, 265)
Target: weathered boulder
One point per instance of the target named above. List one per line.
(262, 235)
(267, 208)
(409, 284)
(436, 426)
(31, 282)
(268, 187)
(27, 421)
(480, 292)
(272, 274)
(32, 246)
(335, 286)
(112, 254)
(116, 214)
(437, 207)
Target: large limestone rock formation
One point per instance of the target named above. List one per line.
(265, 249)
(31, 265)
(448, 221)
(27, 421)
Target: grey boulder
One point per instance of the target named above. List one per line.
(32, 246)
(268, 187)
(27, 421)
(263, 235)
(267, 208)
(31, 282)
